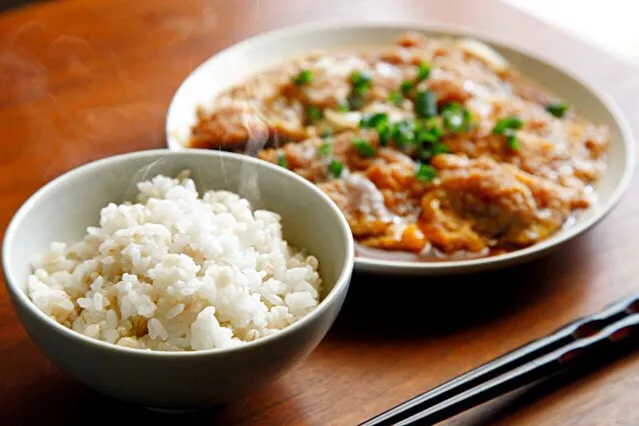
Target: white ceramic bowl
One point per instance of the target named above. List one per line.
(238, 62)
(63, 209)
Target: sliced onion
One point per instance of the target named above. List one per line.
(342, 120)
(484, 52)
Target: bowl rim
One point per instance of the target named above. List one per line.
(21, 297)
(448, 266)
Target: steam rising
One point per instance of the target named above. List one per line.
(55, 82)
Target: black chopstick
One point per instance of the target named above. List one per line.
(529, 363)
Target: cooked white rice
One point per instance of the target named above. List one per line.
(177, 272)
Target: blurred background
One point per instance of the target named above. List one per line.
(8, 4)
(609, 24)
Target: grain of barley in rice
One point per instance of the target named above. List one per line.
(177, 272)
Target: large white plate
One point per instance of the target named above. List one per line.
(238, 62)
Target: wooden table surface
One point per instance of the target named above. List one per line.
(85, 79)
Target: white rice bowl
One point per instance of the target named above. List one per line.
(177, 272)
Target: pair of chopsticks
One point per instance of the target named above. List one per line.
(581, 342)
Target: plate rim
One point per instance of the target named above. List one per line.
(381, 266)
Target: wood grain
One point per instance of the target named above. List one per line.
(85, 79)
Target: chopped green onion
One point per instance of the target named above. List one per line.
(336, 167)
(557, 109)
(425, 104)
(370, 121)
(406, 87)
(427, 132)
(440, 148)
(326, 133)
(423, 71)
(396, 98)
(343, 105)
(325, 149)
(428, 151)
(508, 127)
(314, 113)
(513, 143)
(433, 126)
(456, 118)
(425, 153)
(429, 143)
(383, 133)
(281, 161)
(379, 122)
(508, 123)
(304, 77)
(355, 101)
(361, 81)
(424, 135)
(364, 147)
(425, 172)
(403, 133)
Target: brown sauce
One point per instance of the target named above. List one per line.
(429, 256)
(429, 156)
